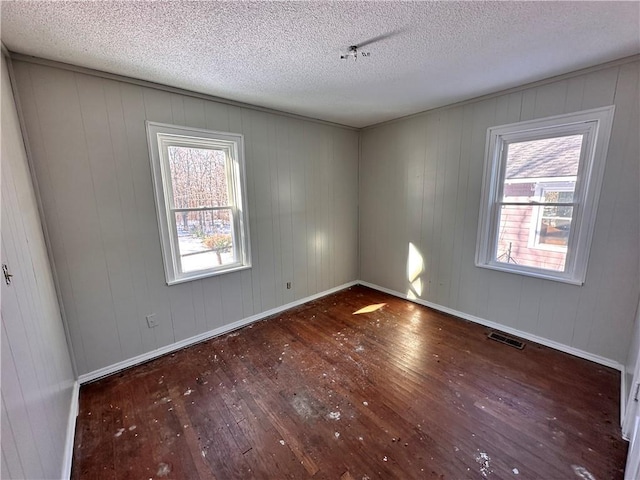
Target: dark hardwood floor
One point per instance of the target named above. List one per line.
(402, 392)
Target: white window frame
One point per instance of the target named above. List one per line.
(160, 137)
(595, 125)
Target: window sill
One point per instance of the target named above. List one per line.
(531, 273)
(215, 273)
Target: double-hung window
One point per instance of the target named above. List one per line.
(198, 178)
(542, 180)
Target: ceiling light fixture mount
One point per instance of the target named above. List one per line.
(352, 52)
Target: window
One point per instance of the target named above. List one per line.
(198, 178)
(540, 192)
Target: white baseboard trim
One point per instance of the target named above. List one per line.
(71, 431)
(116, 367)
(607, 362)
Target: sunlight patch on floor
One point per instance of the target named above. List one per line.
(370, 308)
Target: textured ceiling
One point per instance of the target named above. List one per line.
(287, 55)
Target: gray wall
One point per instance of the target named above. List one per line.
(420, 182)
(37, 376)
(89, 145)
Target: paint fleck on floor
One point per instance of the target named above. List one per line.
(582, 472)
(483, 460)
(163, 470)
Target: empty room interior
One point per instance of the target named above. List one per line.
(331, 240)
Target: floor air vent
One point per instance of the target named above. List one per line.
(499, 337)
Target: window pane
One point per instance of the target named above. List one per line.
(559, 197)
(526, 237)
(205, 239)
(555, 226)
(553, 159)
(198, 177)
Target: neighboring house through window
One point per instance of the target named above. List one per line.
(541, 185)
(552, 224)
(198, 178)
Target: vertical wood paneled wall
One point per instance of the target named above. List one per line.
(420, 182)
(88, 140)
(37, 375)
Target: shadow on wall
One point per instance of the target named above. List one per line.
(415, 268)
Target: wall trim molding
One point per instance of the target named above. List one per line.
(159, 86)
(111, 369)
(519, 88)
(71, 431)
(187, 342)
(623, 397)
(607, 362)
(167, 88)
(116, 367)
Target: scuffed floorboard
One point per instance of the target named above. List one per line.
(399, 392)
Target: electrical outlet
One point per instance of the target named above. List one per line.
(151, 320)
(288, 285)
